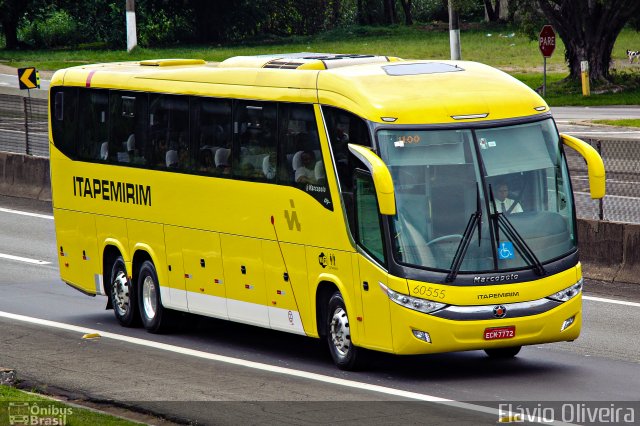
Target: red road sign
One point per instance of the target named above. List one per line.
(547, 41)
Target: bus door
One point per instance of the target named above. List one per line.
(368, 232)
(245, 280)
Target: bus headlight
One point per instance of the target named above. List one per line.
(420, 305)
(568, 293)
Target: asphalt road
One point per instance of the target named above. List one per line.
(216, 372)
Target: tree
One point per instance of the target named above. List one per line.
(589, 29)
(389, 7)
(406, 7)
(493, 12)
(10, 13)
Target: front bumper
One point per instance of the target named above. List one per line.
(449, 335)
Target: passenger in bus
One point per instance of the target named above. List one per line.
(172, 159)
(269, 166)
(222, 161)
(320, 175)
(160, 149)
(206, 159)
(504, 204)
(104, 151)
(132, 152)
(305, 171)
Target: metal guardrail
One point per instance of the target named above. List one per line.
(622, 164)
(23, 130)
(23, 125)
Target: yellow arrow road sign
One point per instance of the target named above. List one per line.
(27, 78)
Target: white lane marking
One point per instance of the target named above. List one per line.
(41, 216)
(23, 259)
(266, 367)
(615, 302)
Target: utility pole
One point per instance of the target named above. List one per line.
(454, 32)
(132, 39)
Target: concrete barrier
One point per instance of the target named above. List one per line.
(25, 176)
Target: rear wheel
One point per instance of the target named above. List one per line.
(345, 354)
(503, 353)
(122, 295)
(155, 318)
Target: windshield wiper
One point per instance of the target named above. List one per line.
(501, 221)
(474, 220)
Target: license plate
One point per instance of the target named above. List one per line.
(496, 333)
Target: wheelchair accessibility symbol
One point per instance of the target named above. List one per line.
(505, 251)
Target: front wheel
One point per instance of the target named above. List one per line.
(345, 354)
(503, 353)
(154, 315)
(122, 295)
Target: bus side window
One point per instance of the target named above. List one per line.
(255, 131)
(127, 124)
(170, 144)
(65, 122)
(93, 130)
(344, 128)
(211, 123)
(302, 164)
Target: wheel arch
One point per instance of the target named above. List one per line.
(327, 285)
(142, 252)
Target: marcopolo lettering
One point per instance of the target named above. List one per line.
(314, 188)
(108, 190)
(495, 278)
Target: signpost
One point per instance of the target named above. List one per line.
(547, 44)
(28, 78)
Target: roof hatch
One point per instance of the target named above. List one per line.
(302, 60)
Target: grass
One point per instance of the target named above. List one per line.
(629, 122)
(47, 411)
(501, 47)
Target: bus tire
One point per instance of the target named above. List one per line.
(122, 295)
(503, 353)
(155, 317)
(345, 354)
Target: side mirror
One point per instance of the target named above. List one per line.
(381, 178)
(595, 165)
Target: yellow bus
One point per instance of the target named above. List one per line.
(410, 207)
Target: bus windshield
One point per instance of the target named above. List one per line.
(500, 179)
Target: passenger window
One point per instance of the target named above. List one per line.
(127, 122)
(302, 165)
(93, 130)
(256, 132)
(170, 143)
(344, 128)
(65, 122)
(212, 132)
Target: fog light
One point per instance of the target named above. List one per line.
(422, 335)
(567, 323)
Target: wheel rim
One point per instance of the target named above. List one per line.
(340, 333)
(121, 297)
(149, 301)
